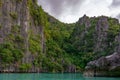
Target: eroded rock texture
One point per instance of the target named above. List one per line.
(17, 27)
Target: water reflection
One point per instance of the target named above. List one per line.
(47, 76)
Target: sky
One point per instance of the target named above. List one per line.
(69, 11)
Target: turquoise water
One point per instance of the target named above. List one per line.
(47, 76)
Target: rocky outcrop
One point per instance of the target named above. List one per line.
(117, 39)
(100, 37)
(94, 37)
(17, 22)
(104, 66)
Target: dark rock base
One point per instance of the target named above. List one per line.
(92, 73)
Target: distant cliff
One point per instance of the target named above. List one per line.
(94, 37)
(33, 41)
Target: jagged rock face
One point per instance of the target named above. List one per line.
(104, 66)
(118, 45)
(14, 13)
(101, 34)
(84, 21)
(16, 21)
(105, 43)
(95, 37)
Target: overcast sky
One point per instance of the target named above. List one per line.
(70, 11)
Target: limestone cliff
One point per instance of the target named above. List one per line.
(17, 29)
(108, 41)
(104, 66)
(33, 41)
(94, 37)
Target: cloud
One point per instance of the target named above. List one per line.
(70, 11)
(115, 9)
(118, 17)
(57, 7)
(115, 3)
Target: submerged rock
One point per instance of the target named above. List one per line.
(104, 66)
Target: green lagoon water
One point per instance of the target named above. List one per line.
(48, 76)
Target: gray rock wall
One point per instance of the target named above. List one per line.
(16, 13)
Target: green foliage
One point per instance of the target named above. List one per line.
(56, 59)
(17, 54)
(15, 29)
(114, 29)
(37, 13)
(55, 67)
(81, 44)
(47, 64)
(19, 38)
(13, 15)
(19, 1)
(8, 54)
(0, 26)
(35, 44)
(65, 44)
(25, 67)
(0, 3)
(15, 38)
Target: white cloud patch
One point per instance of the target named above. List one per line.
(115, 3)
(71, 10)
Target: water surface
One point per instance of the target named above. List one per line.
(48, 76)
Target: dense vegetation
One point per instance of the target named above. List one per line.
(83, 40)
(66, 45)
(55, 59)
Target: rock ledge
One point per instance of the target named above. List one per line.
(104, 66)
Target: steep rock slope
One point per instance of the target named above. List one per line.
(31, 40)
(21, 37)
(97, 39)
(106, 65)
(94, 37)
